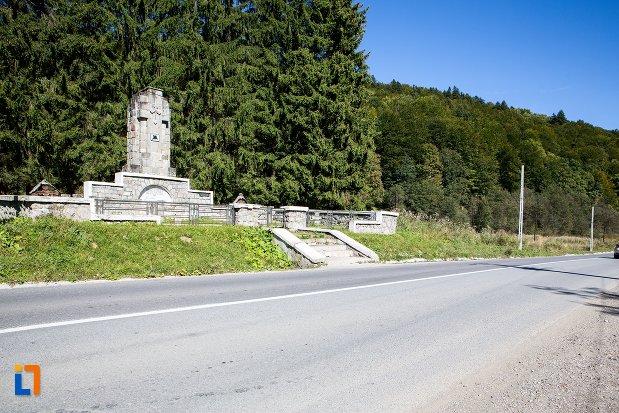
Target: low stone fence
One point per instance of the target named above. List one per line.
(289, 217)
(169, 212)
(331, 219)
(77, 209)
(384, 222)
(369, 222)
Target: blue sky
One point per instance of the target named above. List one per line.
(540, 55)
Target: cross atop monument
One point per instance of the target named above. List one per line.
(148, 134)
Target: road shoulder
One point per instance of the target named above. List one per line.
(573, 366)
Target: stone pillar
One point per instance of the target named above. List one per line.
(247, 215)
(148, 134)
(295, 217)
(390, 222)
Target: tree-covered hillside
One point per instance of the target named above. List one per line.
(450, 154)
(273, 99)
(266, 95)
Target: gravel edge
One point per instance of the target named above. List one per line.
(571, 367)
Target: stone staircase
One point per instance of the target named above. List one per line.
(336, 251)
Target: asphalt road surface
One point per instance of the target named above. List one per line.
(366, 338)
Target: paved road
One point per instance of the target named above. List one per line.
(369, 338)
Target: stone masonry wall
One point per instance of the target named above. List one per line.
(385, 223)
(77, 209)
(247, 215)
(129, 186)
(83, 209)
(295, 217)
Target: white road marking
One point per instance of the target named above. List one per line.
(259, 300)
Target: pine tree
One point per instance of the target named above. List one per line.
(558, 119)
(327, 135)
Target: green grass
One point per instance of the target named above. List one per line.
(437, 239)
(50, 249)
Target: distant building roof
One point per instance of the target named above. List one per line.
(240, 199)
(44, 188)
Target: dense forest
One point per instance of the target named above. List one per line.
(266, 96)
(274, 99)
(445, 153)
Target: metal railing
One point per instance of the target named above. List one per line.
(171, 212)
(271, 216)
(205, 214)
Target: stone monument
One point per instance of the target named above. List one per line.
(148, 176)
(148, 134)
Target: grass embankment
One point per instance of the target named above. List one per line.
(438, 239)
(50, 249)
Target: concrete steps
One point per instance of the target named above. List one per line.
(337, 252)
(334, 251)
(312, 247)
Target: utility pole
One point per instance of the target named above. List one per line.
(591, 238)
(521, 214)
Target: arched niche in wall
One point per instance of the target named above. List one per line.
(155, 193)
